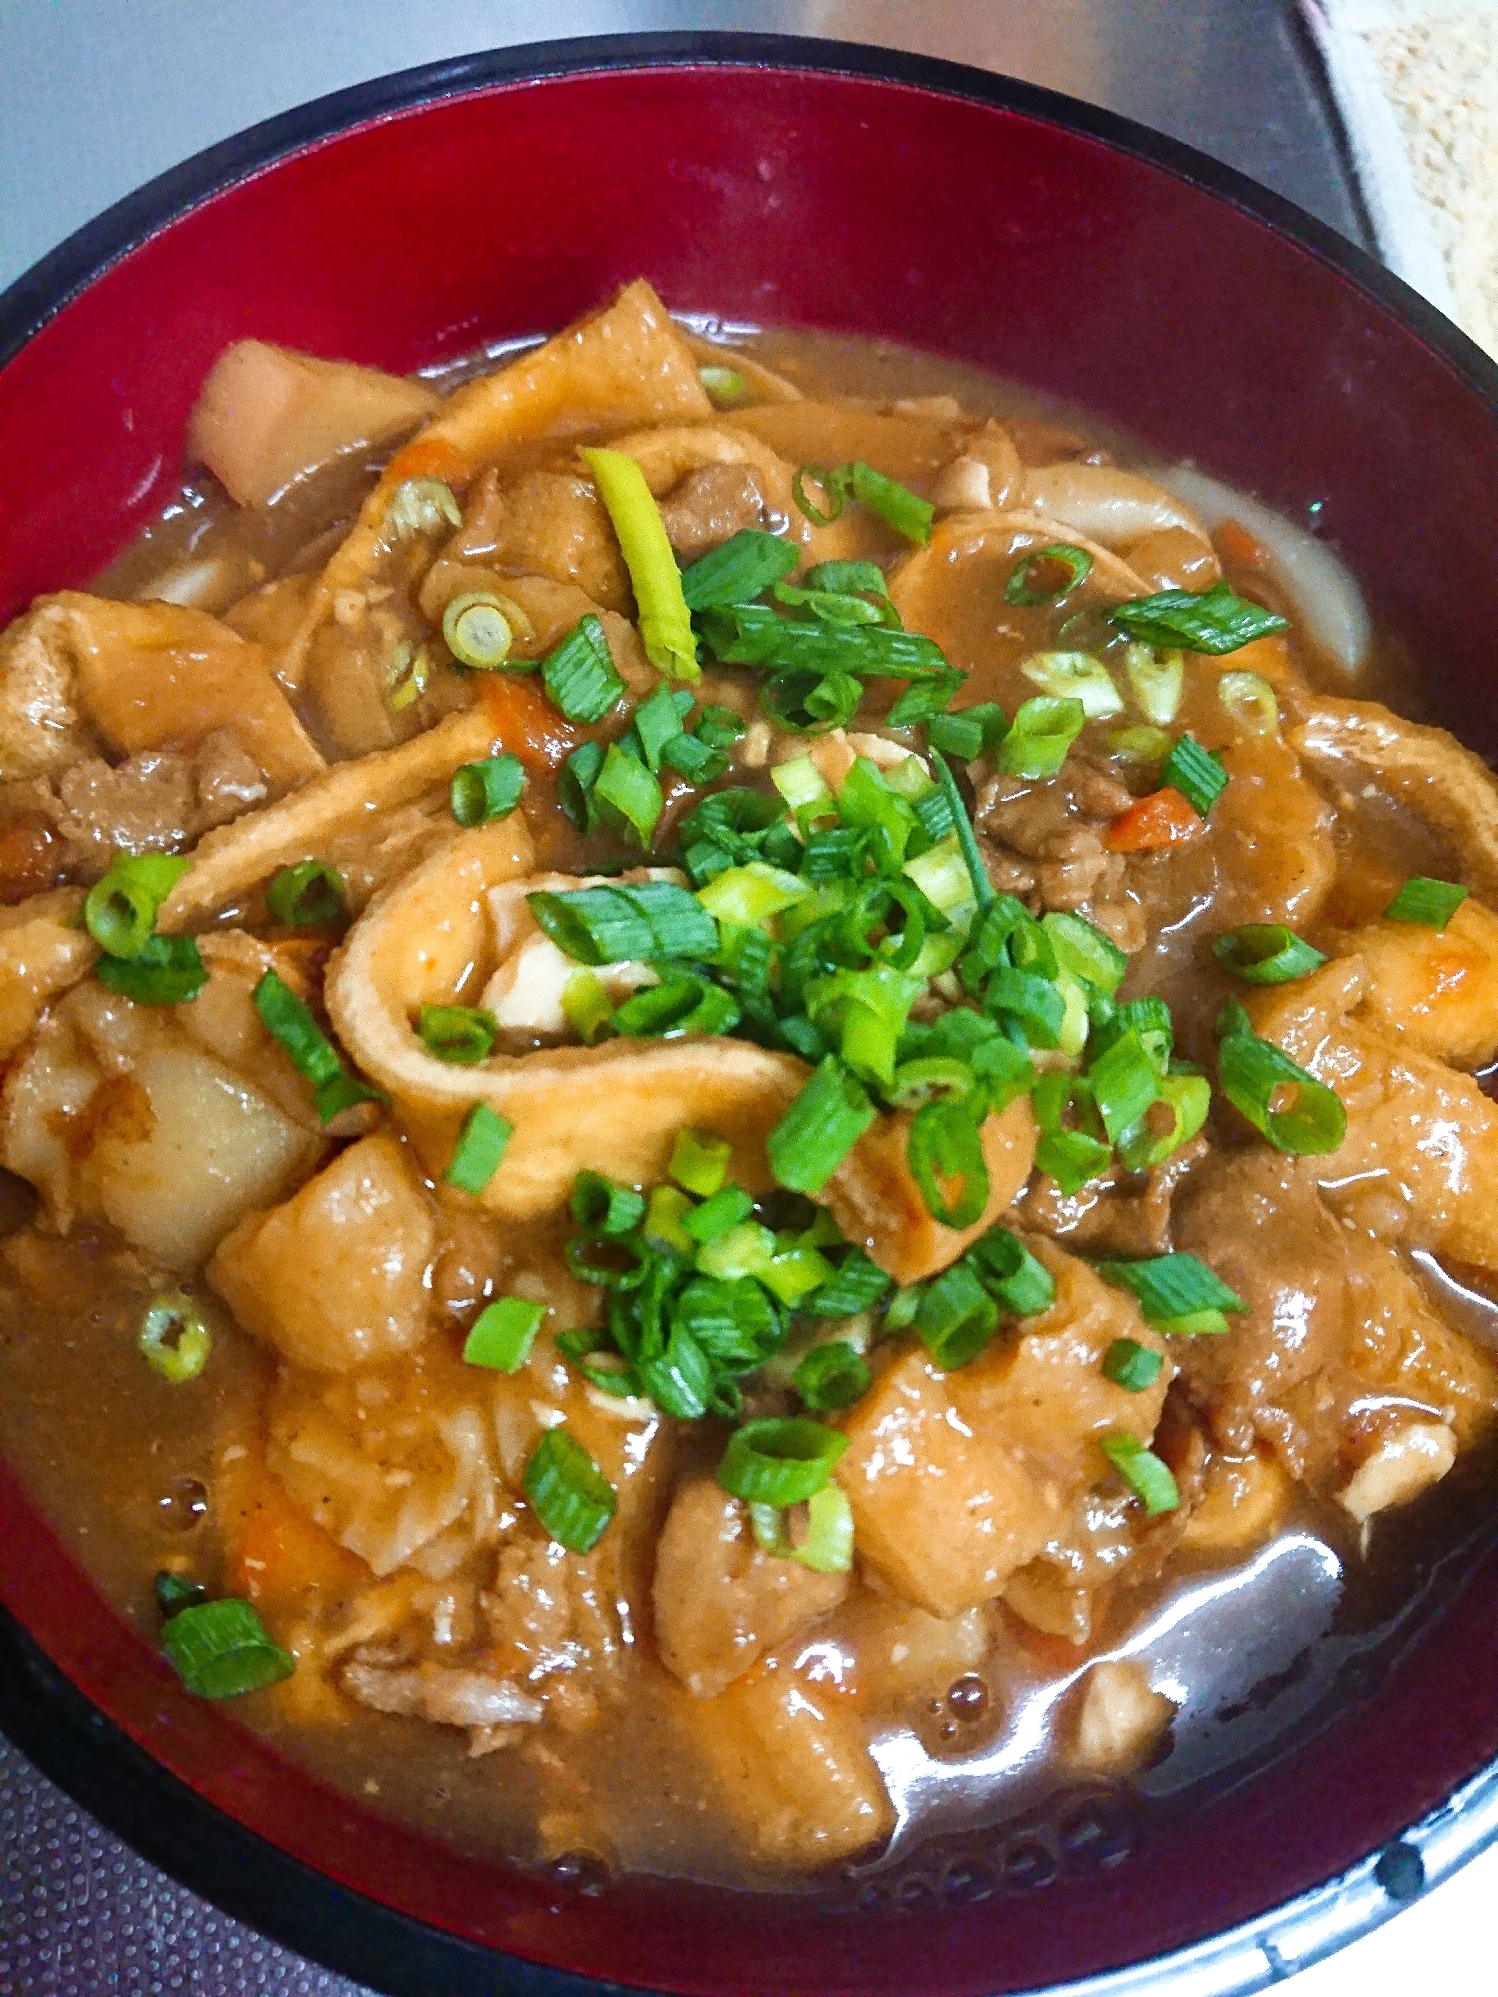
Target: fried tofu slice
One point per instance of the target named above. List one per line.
(1433, 990)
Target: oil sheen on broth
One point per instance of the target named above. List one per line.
(847, 1326)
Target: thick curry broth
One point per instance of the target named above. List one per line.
(982, 1729)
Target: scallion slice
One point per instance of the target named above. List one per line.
(924, 700)
(665, 620)
(855, 1285)
(1251, 701)
(491, 789)
(568, 1492)
(895, 504)
(754, 634)
(819, 1129)
(699, 1163)
(1298, 1114)
(720, 1211)
(1156, 680)
(626, 794)
(1075, 676)
(945, 1154)
(1130, 1365)
(962, 826)
(575, 781)
(477, 632)
(1171, 1288)
(1046, 575)
(503, 1334)
(1197, 773)
(1144, 1473)
(828, 1545)
(166, 970)
(480, 1149)
(831, 1376)
(1016, 1280)
(408, 675)
(120, 912)
(622, 923)
(1266, 953)
(725, 387)
(579, 673)
(1188, 1098)
(746, 564)
(682, 1003)
(1071, 1158)
(1042, 731)
(956, 1316)
(461, 1034)
(665, 1220)
(959, 735)
(680, 1378)
(307, 896)
(783, 1460)
(221, 1650)
(174, 1593)
(601, 1207)
(750, 895)
(1085, 951)
(1431, 903)
(174, 1338)
(659, 720)
(1212, 620)
(1124, 1083)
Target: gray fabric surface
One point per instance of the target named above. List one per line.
(79, 1913)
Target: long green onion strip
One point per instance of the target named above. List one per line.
(1430, 903)
(480, 1149)
(1266, 953)
(309, 1049)
(307, 896)
(220, 1650)
(665, 620)
(174, 1338)
(1212, 620)
(1047, 574)
(568, 1492)
(1145, 1474)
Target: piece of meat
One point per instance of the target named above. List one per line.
(147, 805)
(1043, 841)
(958, 1479)
(449, 1697)
(710, 505)
(720, 1602)
(547, 523)
(1118, 1213)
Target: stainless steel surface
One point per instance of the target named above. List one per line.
(96, 96)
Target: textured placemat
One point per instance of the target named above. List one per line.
(1417, 84)
(80, 1915)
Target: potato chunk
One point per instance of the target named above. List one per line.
(1122, 1718)
(720, 1602)
(957, 1479)
(793, 1770)
(337, 1276)
(1408, 1460)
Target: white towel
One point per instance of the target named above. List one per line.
(1416, 83)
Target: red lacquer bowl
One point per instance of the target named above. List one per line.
(790, 182)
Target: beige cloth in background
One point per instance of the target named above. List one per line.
(1417, 85)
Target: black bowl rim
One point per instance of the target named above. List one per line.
(85, 1753)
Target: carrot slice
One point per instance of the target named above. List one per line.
(1236, 544)
(526, 722)
(1164, 818)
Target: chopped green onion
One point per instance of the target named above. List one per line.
(1130, 1365)
(120, 912)
(1233, 1017)
(621, 923)
(900, 1311)
(1144, 1473)
(1188, 1098)
(1074, 676)
(461, 1034)
(307, 896)
(1071, 1158)
(829, 606)
(795, 1273)
(1124, 1083)
(421, 506)
(1156, 680)
(1292, 1109)
(738, 1250)
(803, 786)
(665, 1220)
(1016, 1280)
(503, 1334)
(1139, 745)
(1085, 951)
(604, 1208)
(626, 794)
(658, 720)
(852, 579)
(568, 1492)
(679, 1379)
(895, 504)
(719, 1212)
(855, 1285)
(945, 1154)
(586, 1005)
(220, 1650)
(1266, 953)
(480, 1148)
(1174, 1290)
(956, 1317)
(1035, 579)
(753, 634)
(575, 781)
(477, 632)
(732, 1319)
(819, 1129)
(692, 758)
(174, 1338)
(487, 790)
(408, 675)
(681, 1003)
(719, 727)
(1212, 620)
(831, 1376)
(1028, 999)
(828, 1546)
(750, 895)
(289, 1021)
(807, 702)
(962, 826)
(738, 571)
(924, 700)
(780, 1461)
(579, 673)
(835, 491)
(166, 970)
(1431, 903)
(959, 735)
(1042, 731)
(1251, 701)
(1197, 773)
(725, 387)
(174, 1592)
(665, 620)
(700, 1163)
(867, 1011)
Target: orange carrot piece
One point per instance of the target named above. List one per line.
(276, 1553)
(1164, 818)
(1235, 544)
(424, 457)
(526, 722)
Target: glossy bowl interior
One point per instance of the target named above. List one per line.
(794, 184)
